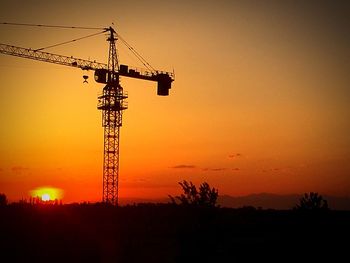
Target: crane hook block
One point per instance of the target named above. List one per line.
(164, 84)
(101, 75)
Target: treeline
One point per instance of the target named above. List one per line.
(190, 228)
(167, 233)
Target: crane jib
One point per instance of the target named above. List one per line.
(164, 79)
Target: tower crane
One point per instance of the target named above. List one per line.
(111, 102)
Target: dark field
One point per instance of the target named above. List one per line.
(167, 233)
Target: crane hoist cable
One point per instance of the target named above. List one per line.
(70, 41)
(133, 51)
(54, 26)
(59, 26)
(139, 57)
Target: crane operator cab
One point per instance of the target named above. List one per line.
(101, 75)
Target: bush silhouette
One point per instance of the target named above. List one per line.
(206, 196)
(3, 200)
(312, 202)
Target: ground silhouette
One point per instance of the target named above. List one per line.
(168, 233)
(3, 199)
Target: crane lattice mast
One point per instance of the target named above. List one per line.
(111, 101)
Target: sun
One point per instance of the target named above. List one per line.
(47, 193)
(45, 197)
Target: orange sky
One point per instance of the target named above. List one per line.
(260, 103)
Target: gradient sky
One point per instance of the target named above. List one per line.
(260, 103)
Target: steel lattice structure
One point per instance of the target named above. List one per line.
(112, 104)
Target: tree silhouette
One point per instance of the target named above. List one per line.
(3, 200)
(206, 196)
(312, 202)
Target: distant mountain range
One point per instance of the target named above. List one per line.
(263, 200)
(274, 201)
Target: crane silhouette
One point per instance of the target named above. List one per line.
(112, 100)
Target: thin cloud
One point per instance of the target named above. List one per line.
(270, 170)
(214, 169)
(235, 156)
(236, 169)
(183, 166)
(19, 169)
(277, 169)
(148, 185)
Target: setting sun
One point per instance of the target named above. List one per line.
(47, 193)
(45, 197)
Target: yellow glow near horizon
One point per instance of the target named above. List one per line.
(47, 193)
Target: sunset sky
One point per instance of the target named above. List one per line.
(260, 102)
